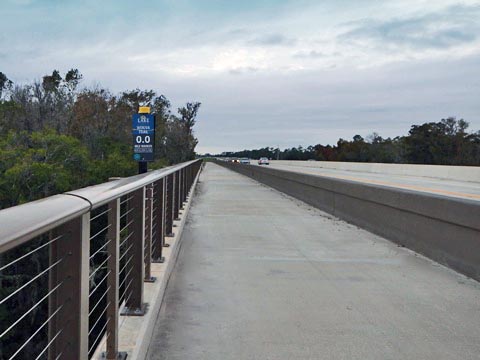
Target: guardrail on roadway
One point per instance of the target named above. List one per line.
(445, 229)
(89, 252)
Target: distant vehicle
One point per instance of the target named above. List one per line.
(235, 160)
(245, 161)
(263, 161)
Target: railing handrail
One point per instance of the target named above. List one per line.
(100, 243)
(101, 194)
(21, 223)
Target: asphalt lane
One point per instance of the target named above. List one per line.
(460, 189)
(263, 276)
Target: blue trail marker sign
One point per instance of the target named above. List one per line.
(143, 130)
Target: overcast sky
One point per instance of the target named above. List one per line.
(268, 72)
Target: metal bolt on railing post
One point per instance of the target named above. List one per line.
(169, 207)
(134, 305)
(113, 265)
(148, 235)
(71, 321)
(159, 237)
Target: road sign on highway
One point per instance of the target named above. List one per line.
(143, 130)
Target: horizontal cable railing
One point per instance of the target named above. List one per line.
(71, 263)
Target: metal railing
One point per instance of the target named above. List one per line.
(71, 263)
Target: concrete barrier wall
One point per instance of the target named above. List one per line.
(460, 173)
(444, 229)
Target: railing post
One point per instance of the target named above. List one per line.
(181, 189)
(193, 173)
(148, 233)
(68, 329)
(176, 202)
(169, 207)
(196, 170)
(113, 249)
(185, 185)
(190, 172)
(159, 238)
(185, 195)
(134, 305)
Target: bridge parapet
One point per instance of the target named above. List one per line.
(84, 256)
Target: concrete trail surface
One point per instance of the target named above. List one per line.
(263, 276)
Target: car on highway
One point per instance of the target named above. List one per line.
(263, 161)
(245, 161)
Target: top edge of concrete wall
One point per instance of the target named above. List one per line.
(457, 173)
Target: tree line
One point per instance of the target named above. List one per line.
(58, 136)
(447, 142)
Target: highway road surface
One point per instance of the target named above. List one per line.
(263, 276)
(461, 189)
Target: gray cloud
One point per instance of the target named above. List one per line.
(21, 2)
(238, 32)
(313, 54)
(263, 109)
(246, 107)
(455, 25)
(272, 40)
(243, 70)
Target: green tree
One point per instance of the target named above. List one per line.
(180, 141)
(40, 164)
(443, 143)
(5, 84)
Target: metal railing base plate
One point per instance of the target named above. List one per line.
(120, 356)
(151, 279)
(134, 312)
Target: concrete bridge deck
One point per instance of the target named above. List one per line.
(263, 276)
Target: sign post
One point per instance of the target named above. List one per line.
(143, 130)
